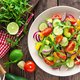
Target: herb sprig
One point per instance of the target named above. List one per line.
(13, 10)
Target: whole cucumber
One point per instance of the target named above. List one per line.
(13, 77)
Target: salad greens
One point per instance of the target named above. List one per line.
(58, 41)
(13, 10)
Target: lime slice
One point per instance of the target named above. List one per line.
(12, 28)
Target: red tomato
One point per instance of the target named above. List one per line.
(77, 62)
(58, 16)
(59, 38)
(71, 30)
(61, 55)
(71, 19)
(47, 31)
(29, 66)
(48, 62)
(70, 46)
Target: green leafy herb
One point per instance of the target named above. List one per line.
(13, 10)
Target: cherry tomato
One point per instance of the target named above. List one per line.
(77, 62)
(29, 66)
(47, 31)
(48, 62)
(59, 38)
(61, 55)
(71, 30)
(70, 46)
(71, 19)
(58, 16)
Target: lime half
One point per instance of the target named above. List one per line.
(12, 28)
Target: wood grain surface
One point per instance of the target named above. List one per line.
(39, 74)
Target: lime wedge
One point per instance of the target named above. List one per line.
(12, 28)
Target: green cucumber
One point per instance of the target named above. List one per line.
(56, 22)
(42, 26)
(78, 39)
(67, 33)
(58, 30)
(13, 77)
(68, 23)
(46, 48)
(64, 42)
(49, 20)
(70, 63)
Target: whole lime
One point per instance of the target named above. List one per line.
(16, 55)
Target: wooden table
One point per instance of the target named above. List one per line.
(39, 74)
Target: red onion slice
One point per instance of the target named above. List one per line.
(63, 17)
(46, 51)
(38, 38)
(63, 68)
(34, 35)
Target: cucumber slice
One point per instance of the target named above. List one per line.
(56, 22)
(70, 63)
(46, 50)
(49, 20)
(58, 30)
(78, 39)
(64, 42)
(42, 26)
(68, 23)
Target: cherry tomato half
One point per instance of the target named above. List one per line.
(59, 38)
(29, 66)
(61, 55)
(77, 62)
(71, 30)
(71, 19)
(58, 16)
(70, 46)
(48, 62)
(47, 31)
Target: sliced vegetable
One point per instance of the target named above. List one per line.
(78, 39)
(64, 42)
(47, 31)
(71, 19)
(56, 22)
(46, 50)
(71, 30)
(57, 16)
(49, 20)
(59, 38)
(55, 55)
(61, 55)
(67, 33)
(38, 45)
(77, 62)
(58, 31)
(70, 46)
(48, 62)
(29, 66)
(50, 58)
(63, 17)
(70, 63)
(43, 26)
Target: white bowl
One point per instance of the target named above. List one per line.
(31, 43)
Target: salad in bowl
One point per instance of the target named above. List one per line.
(56, 41)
